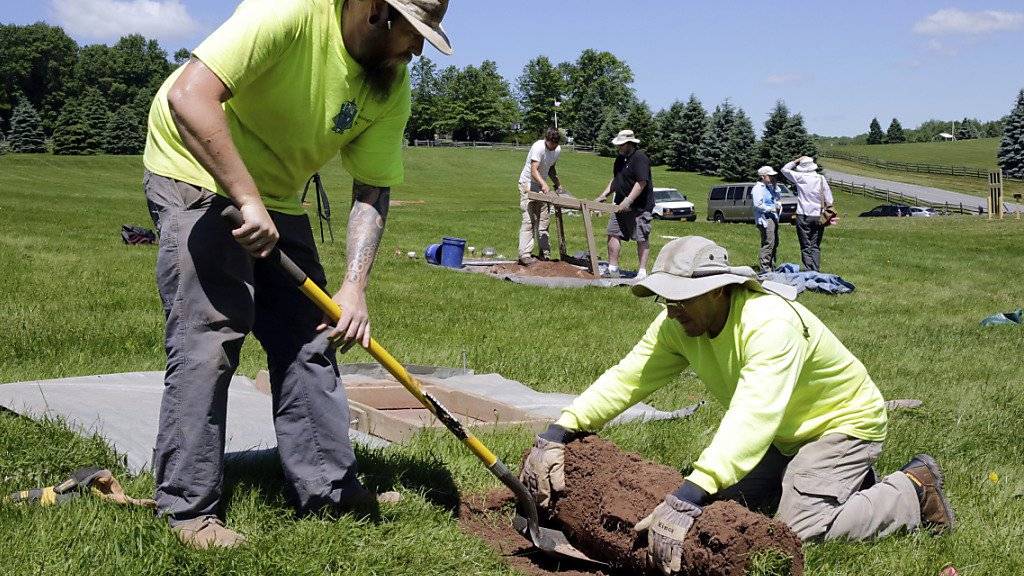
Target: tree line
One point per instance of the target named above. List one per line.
(83, 99)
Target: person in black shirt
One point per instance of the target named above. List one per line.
(634, 198)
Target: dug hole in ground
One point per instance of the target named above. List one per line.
(607, 492)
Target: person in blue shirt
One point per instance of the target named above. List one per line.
(767, 200)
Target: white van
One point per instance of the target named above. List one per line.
(733, 203)
(669, 204)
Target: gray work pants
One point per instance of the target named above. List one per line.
(535, 222)
(810, 232)
(827, 490)
(213, 295)
(769, 244)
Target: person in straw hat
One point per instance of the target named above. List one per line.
(813, 195)
(767, 199)
(266, 100)
(803, 425)
(634, 198)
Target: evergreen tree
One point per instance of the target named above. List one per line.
(123, 134)
(894, 135)
(5, 145)
(774, 150)
(611, 124)
(640, 120)
(96, 117)
(969, 129)
(670, 125)
(716, 138)
(26, 129)
(796, 141)
(740, 153)
(71, 136)
(1011, 148)
(875, 134)
(687, 138)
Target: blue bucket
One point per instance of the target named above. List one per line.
(433, 253)
(452, 250)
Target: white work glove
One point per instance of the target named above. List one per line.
(543, 470)
(666, 529)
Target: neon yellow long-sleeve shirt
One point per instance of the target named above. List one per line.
(779, 386)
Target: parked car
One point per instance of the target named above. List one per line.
(733, 203)
(896, 210)
(669, 204)
(923, 211)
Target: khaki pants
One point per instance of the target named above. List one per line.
(827, 491)
(536, 216)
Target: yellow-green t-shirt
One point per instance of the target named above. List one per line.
(290, 78)
(779, 385)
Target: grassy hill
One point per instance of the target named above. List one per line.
(979, 153)
(75, 301)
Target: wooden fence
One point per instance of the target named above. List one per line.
(966, 171)
(891, 197)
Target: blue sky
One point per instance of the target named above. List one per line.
(838, 63)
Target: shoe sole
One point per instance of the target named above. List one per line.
(940, 481)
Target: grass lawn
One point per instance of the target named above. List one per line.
(978, 153)
(75, 301)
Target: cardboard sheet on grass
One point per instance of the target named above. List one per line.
(551, 274)
(123, 408)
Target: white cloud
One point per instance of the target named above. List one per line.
(779, 79)
(956, 21)
(112, 19)
(936, 46)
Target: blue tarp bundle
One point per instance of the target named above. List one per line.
(1015, 317)
(790, 273)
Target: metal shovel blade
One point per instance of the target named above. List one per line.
(551, 541)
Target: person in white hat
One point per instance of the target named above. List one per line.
(767, 199)
(803, 425)
(540, 164)
(634, 196)
(272, 95)
(813, 195)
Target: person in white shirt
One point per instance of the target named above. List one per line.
(812, 195)
(540, 163)
(767, 199)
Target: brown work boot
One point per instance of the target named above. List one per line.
(936, 512)
(206, 532)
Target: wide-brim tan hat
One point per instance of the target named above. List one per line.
(806, 164)
(425, 16)
(625, 136)
(693, 265)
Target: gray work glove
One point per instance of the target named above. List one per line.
(543, 470)
(667, 527)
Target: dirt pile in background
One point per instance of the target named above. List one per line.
(607, 492)
(542, 269)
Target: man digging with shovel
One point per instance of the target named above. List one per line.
(265, 101)
(804, 422)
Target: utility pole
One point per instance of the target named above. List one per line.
(557, 104)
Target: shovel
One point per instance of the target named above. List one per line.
(527, 522)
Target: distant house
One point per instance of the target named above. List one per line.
(944, 136)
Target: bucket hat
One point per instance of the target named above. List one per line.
(625, 136)
(806, 164)
(425, 16)
(693, 265)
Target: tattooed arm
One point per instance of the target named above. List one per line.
(365, 228)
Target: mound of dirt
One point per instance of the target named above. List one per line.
(607, 492)
(542, 269)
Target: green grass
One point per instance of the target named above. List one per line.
(978, 153)
(75, 301)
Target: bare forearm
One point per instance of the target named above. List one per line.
(637, 189)
(554, 176)
(365, 227)
(203, 126)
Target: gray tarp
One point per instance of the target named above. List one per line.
(123, 408)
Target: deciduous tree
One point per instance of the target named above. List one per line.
(539, 86)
